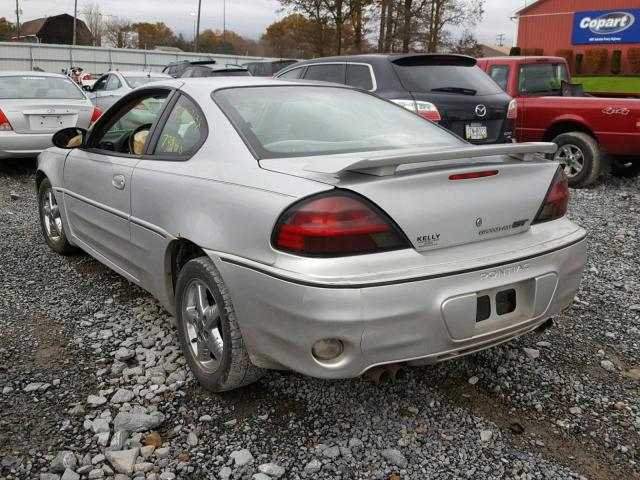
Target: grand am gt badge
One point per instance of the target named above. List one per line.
(426, 241)
(502, 228)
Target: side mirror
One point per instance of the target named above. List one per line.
(86, 88)
(68, 138)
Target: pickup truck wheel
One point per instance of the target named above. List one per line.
(580, 157)
(625, 167)
(208, 331)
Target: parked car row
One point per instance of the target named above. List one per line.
(489, 101)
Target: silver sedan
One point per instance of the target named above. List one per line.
(112, 86)
(35, 105)
(313, 227)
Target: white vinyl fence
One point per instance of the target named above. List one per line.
(96, 60)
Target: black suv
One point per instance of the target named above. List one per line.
(176, 69)
(449, 89)
(267, 68)
(194, 71)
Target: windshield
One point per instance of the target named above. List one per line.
(137, 81)
(292, 121)
(458, 79)
(34, 87)
(537, 78)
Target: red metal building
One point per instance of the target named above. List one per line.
(553, 25)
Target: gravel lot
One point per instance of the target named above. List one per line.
(93, 385)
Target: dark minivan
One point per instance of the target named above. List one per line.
(449, 89)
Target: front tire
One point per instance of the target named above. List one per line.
(209, 334)
(579, 155)
(626, 167)
(51, 220)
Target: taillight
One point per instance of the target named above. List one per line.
(336, 224)
(470, 175)
(638, 124)
(96, 115)
(557, 199)
(425, 109)
(512, 111)
(5, 126)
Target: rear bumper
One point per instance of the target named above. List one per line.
(23, 145)
(423, 320)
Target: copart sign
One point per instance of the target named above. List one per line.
(606, 26)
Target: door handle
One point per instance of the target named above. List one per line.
(118, 182)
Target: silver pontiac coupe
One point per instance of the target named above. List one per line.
(312, 227)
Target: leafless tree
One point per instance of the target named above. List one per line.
(119, 33)
(92, 16)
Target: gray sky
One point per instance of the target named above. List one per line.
(246, 17)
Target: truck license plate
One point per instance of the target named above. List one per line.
(475, 131)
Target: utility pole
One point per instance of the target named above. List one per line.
(224, 27)
(18, 19)
(75, 18)
(197, 26)
(500, 39)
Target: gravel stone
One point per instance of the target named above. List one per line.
(271, 469)
(137, 422)
(394, 457)
(70, 475)
(123, 461)
(241, 457)
(63, 460)
(313, 466)
(608, 365)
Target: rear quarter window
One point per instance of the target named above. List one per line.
(332, 72)
(359, 76)
(500, 75)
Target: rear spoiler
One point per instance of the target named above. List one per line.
(382, 164)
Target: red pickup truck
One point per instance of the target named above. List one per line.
(594, 134)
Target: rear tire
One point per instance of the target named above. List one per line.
(51, 221)
(626, 167)
(209, 334)
(580, 156)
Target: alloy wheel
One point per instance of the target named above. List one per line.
(51, 216)
(571, 158)
(202, 325)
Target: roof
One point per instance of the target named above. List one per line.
(531, 58)
(29, 73)
(138, 73)
(527, 7)
(32, 27)
(494, 50)
(219, 68)
(210, 84)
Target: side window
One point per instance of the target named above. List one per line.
(331, 72)
(500, 75)
(101, 84)
(359, 76)
(291, 74)
(129, 126)
(113, 83)
(184, 131)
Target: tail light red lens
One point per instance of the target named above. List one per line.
(470, 175)
(557, 200)
(638, 124)
(5, 126)
(336, 224)
(96, 115)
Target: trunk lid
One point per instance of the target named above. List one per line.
(433, 210)
(46, 116)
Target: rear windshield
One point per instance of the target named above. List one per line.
(295, 121)
(34, 87)
(134, 82)
(539, 78)
(445, 78)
